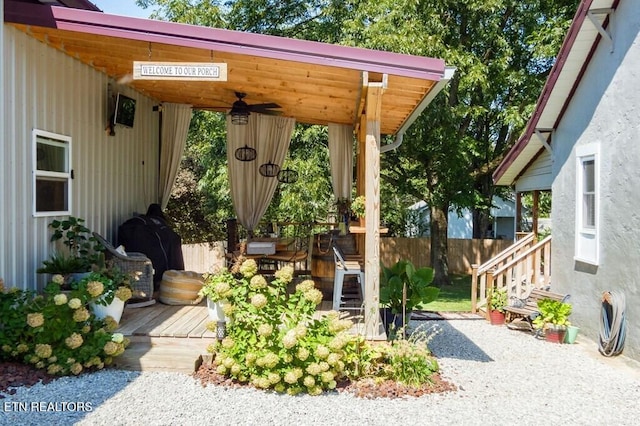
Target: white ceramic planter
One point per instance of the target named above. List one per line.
(215, 311)
(114, 310)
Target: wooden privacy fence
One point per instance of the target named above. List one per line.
(203, 257)
(462, 253)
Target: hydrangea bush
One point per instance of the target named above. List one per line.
(57, 331)
(273, 341)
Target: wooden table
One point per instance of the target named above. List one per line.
(272, 262)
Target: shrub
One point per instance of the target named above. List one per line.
(273, 341)
(56, 331)
(81, 250)
(409, 361)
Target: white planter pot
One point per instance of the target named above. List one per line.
(114, 309)
(215, 311)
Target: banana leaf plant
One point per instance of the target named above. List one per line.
(403, 287)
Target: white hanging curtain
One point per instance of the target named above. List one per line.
(341, 159)
(251, 192)
(175, 125)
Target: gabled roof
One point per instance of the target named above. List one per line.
(565, 76)
(316, 83)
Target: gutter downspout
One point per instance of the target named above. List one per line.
(448, 75)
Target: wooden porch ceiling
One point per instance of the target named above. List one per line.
(326, 90)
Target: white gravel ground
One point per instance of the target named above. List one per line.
(504, 377)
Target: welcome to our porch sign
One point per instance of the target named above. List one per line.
(194, 71)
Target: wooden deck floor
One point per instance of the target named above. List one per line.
(161, 320)
(165, 338)
(174, 338)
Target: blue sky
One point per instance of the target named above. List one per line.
(122, 7)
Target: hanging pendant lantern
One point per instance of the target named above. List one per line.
(288, 176)
(269, 169)
(246, 153)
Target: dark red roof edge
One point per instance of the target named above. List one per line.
(224, 40)
(513, 153)
(80, 4)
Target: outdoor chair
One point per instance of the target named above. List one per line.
(343, 269)
(136, 265)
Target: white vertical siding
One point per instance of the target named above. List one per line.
(114, 176)
(538, 176)
(3, 145)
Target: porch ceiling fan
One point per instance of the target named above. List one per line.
(240, 110)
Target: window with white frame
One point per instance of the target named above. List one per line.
(587, 223)
(51, 173)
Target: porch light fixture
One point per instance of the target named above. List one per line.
(288, 176)
(239, 112)
(246, 153)
(269, 169)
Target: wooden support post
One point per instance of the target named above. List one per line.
(487, 294)
(518, 212)
(372, 211)
(474, 288)
(535, 213)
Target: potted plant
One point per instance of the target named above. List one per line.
(217, 288)
(77, 250)
(497, 302)
(343, 214)
(107, 291)
(402, 288)
(553, 319)
(358, 208)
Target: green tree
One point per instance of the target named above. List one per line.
(503, 50)
(319, 20)
(200, 202)
(196, 12)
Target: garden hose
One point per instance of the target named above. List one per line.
(613, 325)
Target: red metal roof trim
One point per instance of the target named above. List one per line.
(154, 31)
(515, 151)
(80, 4)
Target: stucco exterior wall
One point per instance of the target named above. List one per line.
(605, 110)
(115, 176)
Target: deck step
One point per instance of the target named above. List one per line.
(163, 354)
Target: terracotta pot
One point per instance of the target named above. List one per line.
(554, 335)
(496, 317)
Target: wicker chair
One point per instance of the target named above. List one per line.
(134, 264)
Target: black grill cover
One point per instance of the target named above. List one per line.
(153, 237)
